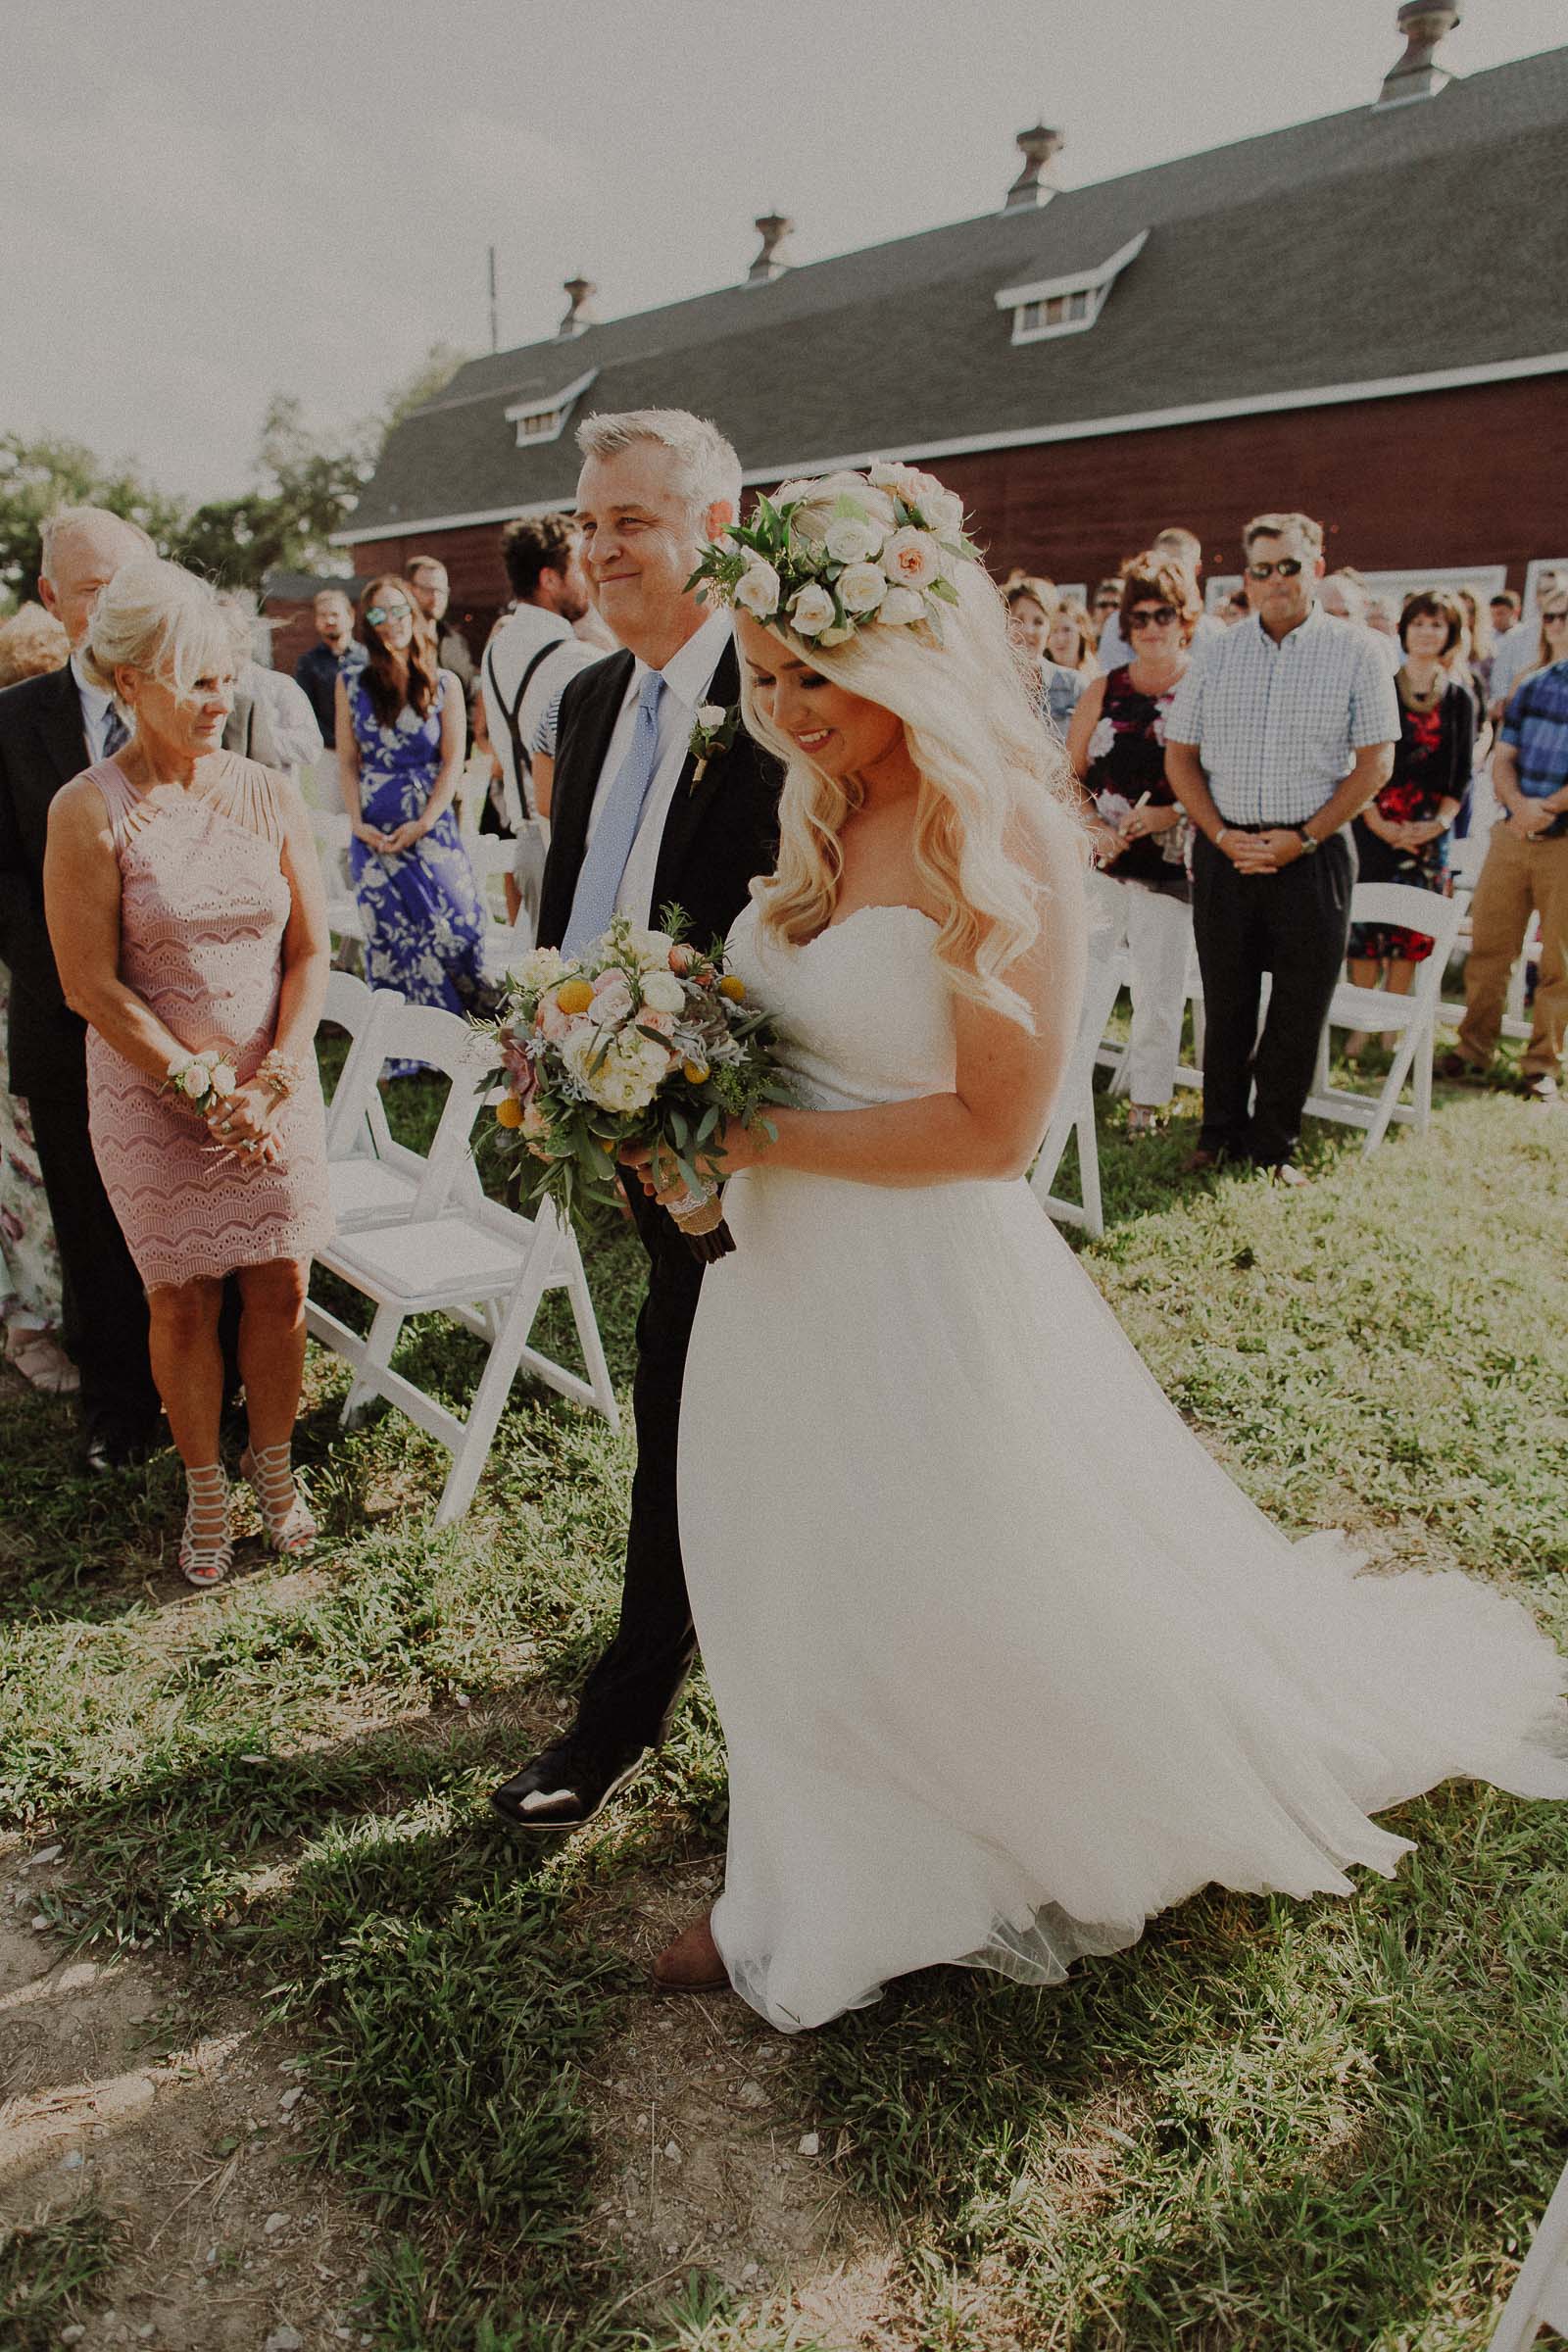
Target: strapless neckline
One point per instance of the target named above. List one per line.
(882, 907)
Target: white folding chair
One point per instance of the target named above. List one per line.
(493, 855)
(1540, 2297)
(456, 1253)
(1414, 1016)
(1074, 1110)
(372, 1178)
(332, 837)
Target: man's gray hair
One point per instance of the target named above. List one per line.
(708, 469)
(66, 520)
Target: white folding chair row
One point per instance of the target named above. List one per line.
(1073, 1113)
(1414, 1017)
(1540, 2297)
(332, 837)
(506, 941)
(449, 1252)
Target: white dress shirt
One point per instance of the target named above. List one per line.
(687, 676)
(517, 640)
(1516, 652)
(95, 708)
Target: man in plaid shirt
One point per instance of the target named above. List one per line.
(1526, 873)
(1274, 742)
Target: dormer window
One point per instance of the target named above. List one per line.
(1069, 305)
(545, 419)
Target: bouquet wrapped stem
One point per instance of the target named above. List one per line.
(641, 1039)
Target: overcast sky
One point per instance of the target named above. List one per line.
(201, 204)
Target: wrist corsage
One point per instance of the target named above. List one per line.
(200, 1081)
(280, 1074)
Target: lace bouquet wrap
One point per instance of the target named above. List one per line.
(641, 1039)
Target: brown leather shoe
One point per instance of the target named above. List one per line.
(1202, 1161)
(692, 1963)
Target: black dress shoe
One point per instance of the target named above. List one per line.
(564, 1787)
(106, 1447)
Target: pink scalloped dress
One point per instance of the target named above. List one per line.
(204, 904)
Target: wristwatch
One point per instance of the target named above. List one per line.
(1309, 841)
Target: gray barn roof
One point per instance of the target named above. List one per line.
(1362, 249)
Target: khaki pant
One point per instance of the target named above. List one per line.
(1520, 879)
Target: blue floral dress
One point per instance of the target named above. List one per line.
(423, 917)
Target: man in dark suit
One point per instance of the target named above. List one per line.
(634, 828)
(51, 728)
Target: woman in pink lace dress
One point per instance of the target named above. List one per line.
(186, 913)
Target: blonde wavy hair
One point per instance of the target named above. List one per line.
(163, 621)
(991, 776)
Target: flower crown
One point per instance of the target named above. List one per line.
(849, 551)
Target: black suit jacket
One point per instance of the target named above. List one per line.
(43, 746)
(718, 834)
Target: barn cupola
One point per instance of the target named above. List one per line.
(1417, 73)
(773, 259)
(1035, 184)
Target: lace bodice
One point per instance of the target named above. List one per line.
(864, 1009)
(204, 902)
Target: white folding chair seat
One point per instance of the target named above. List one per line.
(1414, 1016)
(1074, 1109)
(454, 1252)
(493, 857)
(1540, 2297)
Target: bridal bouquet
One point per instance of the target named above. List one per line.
(639, 1038)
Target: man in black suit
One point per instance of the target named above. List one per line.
(634, 828)
(51, 728)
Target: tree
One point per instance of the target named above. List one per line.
(40, 475)
(305, 486)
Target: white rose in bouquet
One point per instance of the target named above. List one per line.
(911, 559)
(853, 539)
(756, 591)
(942, 510)
(541, 968)
(651, 948)
(861, 587)
(790, 494)
(663, 993)
(811, 612)
(902, 606)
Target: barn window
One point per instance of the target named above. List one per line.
(543, 420)
(1065, 306)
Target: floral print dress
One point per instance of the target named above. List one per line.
(1127, 765)
(423, 916)
(1431, 766)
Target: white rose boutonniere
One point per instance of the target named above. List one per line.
(713, 733)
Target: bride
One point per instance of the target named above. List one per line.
(1005, 1662)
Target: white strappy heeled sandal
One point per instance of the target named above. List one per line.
(286, 1517)
(206, 1554)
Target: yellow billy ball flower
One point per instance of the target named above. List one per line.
(696, 1072)
(508, 1111)
(574, 995)
(733, 987)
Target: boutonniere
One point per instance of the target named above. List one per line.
(712, 735)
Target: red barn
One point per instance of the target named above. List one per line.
(1364, 316)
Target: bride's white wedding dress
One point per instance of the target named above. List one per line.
(1005, 1661)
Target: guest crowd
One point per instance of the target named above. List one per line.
(164, 944)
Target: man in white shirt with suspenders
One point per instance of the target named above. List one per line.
(529, 657)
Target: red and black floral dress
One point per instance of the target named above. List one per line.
(1127, 762)
(1431, 766)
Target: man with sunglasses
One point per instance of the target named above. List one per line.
(1275, 741)
(1526, 873)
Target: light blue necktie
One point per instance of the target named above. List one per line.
(116, 733)
(593, 902)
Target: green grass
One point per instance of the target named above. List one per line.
(52, 2272)
(1270, 2125)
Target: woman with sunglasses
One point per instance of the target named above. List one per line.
(401, 737)
(1116, 744)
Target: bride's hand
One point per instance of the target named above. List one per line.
(664, 1181)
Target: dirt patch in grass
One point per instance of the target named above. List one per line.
(127, 2089)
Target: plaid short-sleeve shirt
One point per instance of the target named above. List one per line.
(1278, 726)
(1536, 727)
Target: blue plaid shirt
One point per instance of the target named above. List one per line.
(1536, 728)
(1277, 726)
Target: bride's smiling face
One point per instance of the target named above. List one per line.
(839, 732)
